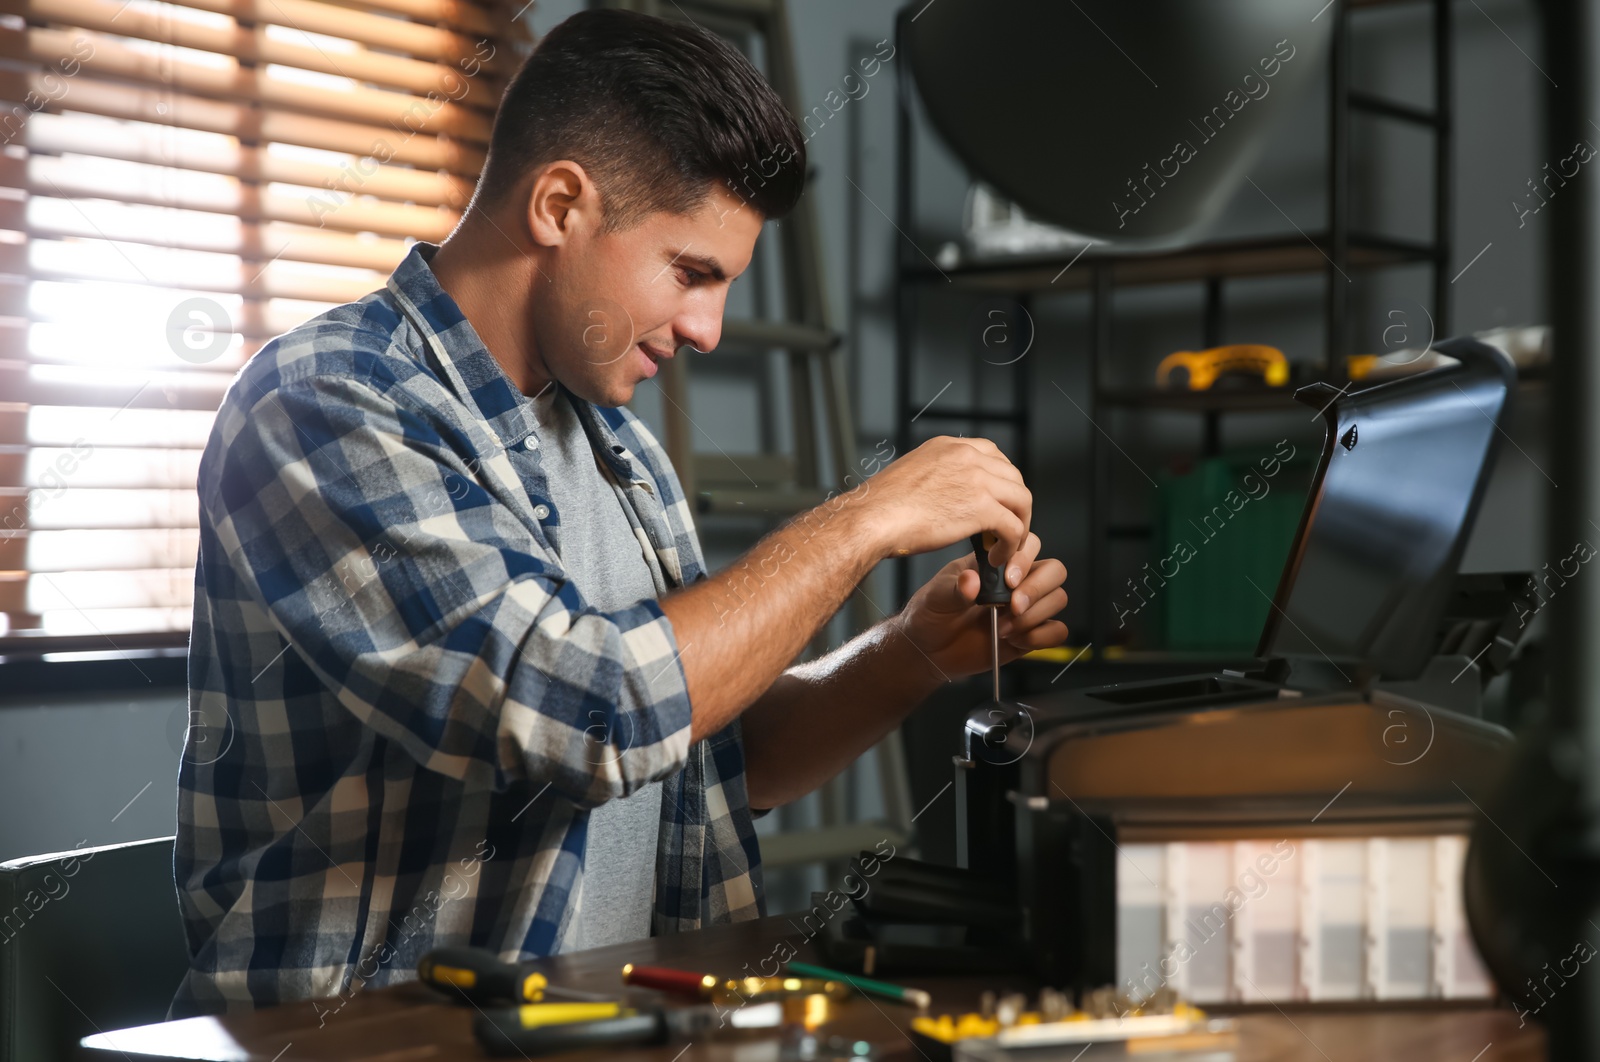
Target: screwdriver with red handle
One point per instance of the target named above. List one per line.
(993, 594)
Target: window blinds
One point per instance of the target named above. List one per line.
(180, 182)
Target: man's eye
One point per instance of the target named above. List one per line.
(689, 277)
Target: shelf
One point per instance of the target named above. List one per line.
(1003, 415)
(780, 335)
(1251, 399)
(1231, 258)
(1233, 399)
(803, 847)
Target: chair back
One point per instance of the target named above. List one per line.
(90, 940)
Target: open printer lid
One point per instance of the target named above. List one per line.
(1402, 472)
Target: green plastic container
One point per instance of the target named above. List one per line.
(1222, 533)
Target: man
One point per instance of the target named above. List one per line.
(451, 615)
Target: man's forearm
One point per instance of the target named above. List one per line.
(820, 715)
(738, 629)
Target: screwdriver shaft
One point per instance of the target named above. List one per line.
(993, 595)
(994, 649)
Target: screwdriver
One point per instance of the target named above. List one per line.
(524, 1032)
(479, 976)
(993, 595)
(734, 992)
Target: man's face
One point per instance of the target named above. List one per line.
(614, 305)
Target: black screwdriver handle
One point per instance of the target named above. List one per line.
(501, 1033)
(992, 589)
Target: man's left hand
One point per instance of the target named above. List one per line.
(942, 621)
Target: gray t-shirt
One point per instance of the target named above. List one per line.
(607, 562)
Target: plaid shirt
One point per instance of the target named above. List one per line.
(402, 709)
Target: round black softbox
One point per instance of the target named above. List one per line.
(1128, 123)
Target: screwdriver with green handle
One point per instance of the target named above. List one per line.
(867, 986)
(994, 595)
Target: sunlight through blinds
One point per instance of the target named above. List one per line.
(179, 183)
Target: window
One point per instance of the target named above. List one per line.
(179, 183)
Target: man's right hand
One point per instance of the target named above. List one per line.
(738, 629)
(943, 492)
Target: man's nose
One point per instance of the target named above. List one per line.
(701, 326)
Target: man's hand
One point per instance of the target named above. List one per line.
(945, 491)
(942, 621)
(942, 492)
(739, 629)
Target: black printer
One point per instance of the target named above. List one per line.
(1365, 687)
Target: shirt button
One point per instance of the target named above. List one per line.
(541, 512)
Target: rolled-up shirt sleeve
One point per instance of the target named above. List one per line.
(428, 606)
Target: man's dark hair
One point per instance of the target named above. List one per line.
(656, 112)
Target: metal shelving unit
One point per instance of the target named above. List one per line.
(1333, 251)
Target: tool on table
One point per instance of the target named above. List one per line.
(733, 992)
(480, 977)
(1122, 1026)
(992, 594)
(916, 997)
(666, 979)
(524, 1031)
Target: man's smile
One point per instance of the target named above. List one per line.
(652, 357)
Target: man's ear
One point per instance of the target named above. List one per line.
(562, 201)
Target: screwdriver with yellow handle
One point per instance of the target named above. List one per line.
(525, 1032)
(993, 594)
(480, 977)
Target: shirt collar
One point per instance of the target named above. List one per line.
(467, 364)
(472, 371)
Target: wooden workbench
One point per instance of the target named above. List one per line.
(410, 1023)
